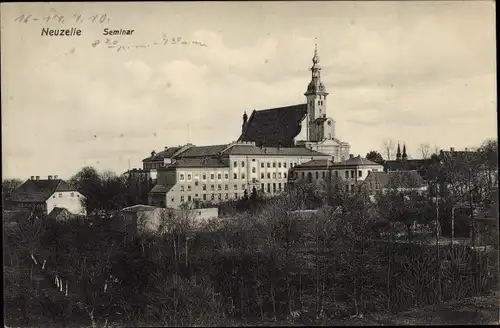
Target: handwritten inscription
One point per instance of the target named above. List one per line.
(115, 44)
(62, 32)
(61, 19)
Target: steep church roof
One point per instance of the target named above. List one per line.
(274, 127)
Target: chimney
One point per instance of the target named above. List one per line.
(166, 147)
(452, 149)
(351, 156)
(466, 149)
(50, 177)
(153, 153)
(32, 177)
(56, 177)
(37, 177)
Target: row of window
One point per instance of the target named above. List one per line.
(188, 178)
(280, 176)
(219, 187)
(71, 194)
(268, 164)
(205, 197)
(274, 185)
(347, 174)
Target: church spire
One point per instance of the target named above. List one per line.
(316, 86)
(398, 154)
(405, 156)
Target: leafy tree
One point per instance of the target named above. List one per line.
(9, 186)
(375, 156)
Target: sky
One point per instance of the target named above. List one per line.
(412, 72)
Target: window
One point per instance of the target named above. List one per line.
(212, 197)
(226, 187)
(317, 175)
(204, 187)
(371, 185)
(284, 165)
(279, 175)
(324, 174)
(268, 187)
(279, 164)
(235, 196)
(347, 174)
(212, 176)
(219, 176)
(204, 177)
(274, 164)
(219, 187)
(235, 187)
(353, 174)
(220, 196)
(274, 187)
(212, 187)
(189, 177)
(182, 198)
(72, 194)
(262, 175)
(269, 175)
(181, 177)
(253, 159)
(226, 196)
(279, 186)
(242, 164)
(284, 185)
(182, 188)
(189, 198)
(235, 164)
(284, 175)
(360, 173)
(253, 170)
(226, 176)
(172, 199)
(268, 164)
(336, 173)
(254, 180)
(204, 196)
(261, 186)
(303, 174)
(196, 183)
(242, 175)
(262, 164)
(243, 187)
(274, 175)
(235, 176)
(189, 188)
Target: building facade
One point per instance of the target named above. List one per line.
(351, 172)
(214, 174)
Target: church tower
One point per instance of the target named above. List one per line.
(316, 105)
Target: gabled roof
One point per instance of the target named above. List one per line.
(202, 151)
(139, 208)
(167, 153)
(59, 211)
(398, 179)
(279, 151)
(274, 127)
(38, 191)
(323, 163)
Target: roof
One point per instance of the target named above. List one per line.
(139, 208)
(322, 163)
(274, 127)
(199, 162)
(38, 191)
(167, 153)
(202, 151)
(404, 165)
(57, 211)
(160, 189)
(281, 151)
(401, 179)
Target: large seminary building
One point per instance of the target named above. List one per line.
(272, 141)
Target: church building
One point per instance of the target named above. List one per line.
(304, 125)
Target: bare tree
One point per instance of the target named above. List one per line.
(425, 150)
(389, 147)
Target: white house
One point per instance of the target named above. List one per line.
(47, 194)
